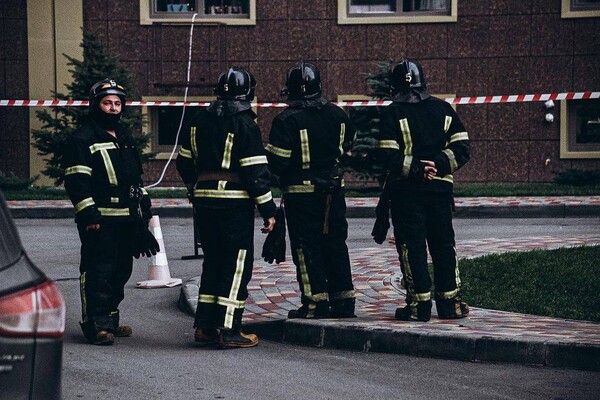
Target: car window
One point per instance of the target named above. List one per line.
(10, 244)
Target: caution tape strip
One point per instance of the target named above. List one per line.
(516, 98)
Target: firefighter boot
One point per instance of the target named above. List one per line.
(451, 308)
(95, 335)
(311, 310)
(232, 339)
(120, 330)
(416, 311)
(206, 335)
(342, 308)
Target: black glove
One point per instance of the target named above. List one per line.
(382, 219)
(417, 171)
(143, 242)
(274, 246)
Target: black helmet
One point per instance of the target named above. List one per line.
(407, 74)
(236, 84)
(104, 88)
(303, 82)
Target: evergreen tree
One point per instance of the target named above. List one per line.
(60, 122)
(362, 162)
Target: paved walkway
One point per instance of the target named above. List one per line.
(486, 335)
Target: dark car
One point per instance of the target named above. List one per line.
(32, 322)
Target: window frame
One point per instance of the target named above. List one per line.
(185, 18)
(567, 135)
(568, 12)
(404, 18)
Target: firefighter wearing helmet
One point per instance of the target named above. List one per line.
(223, 164)
(103, 180)
(423, 142)
(305, 143)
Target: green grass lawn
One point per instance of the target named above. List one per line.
(563, 283)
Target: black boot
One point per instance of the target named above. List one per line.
(95, 334)
(342, 308)
(206, 335)
(232, 339)
(421, 311)
(311, 310)
(451, 308)
(120, 330)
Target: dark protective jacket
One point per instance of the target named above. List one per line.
(309, 157)
(99, 172)
(222, 159)
(428, 129)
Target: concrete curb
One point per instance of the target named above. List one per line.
(343, 334)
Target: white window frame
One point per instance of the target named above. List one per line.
(566, 136)
(568, 12)
(344, 17)
(147, 17)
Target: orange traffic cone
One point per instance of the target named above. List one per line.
(158, 270)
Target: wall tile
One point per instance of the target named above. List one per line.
(510, 7)
(237, 46)
(270, 41)
(473, 7)
(587, 36)
(2, 82)
(95, 9)
(139, 73)
(15, 37)
(173, 43)
(16, 124)
(346, 42)
(539, 129)
(468, 77)
(468, 37)
(270, 78)
(176, 72)
(551, 74)
(427, 40)
(17, 80)
(125, 10)
(98, 28)
(508, 76)
(315, 9)
(546, 6)
(303, 42)
(551, 35)
(508, 161)
(586, 73)
(474, 118)
(436, 75)
(510, 35)
(273, 10)
(15, 9)
(508, 121)
(539, 152)
(476, 169)
(130, 41)
(386, 42)
(342, 78)
(2, 38)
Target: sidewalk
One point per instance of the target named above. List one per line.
(486, 335)
(364, 207)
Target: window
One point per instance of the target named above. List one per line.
(580, 129)
(396, 11)
(580, 8)
(227, 12)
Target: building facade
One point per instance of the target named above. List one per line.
(467, 47)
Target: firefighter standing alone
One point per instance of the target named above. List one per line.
(423, 143)
(223, 164)
(305, 143)
(103, 180)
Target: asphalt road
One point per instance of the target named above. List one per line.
(161, 361)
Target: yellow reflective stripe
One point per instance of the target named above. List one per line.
(305, 149)
(83, 297)
(114, 212)
(102, 146)
(224, 301)
(423, 296)
(299, 189)
(306, 289)
(78, 169)
(144, 191)
(221, 194)
(451, 159)
(235, 288)
(456, 270)
(185, 153)
(458, 136)
(194, 149)
(85, 203)
(342, 135)
(447, 123)
(114, 199)
(389, 144)
(264, 198)
(447, 178)
(244, 162)
(278, 151)
(448, 295)
(320, 297)
(407, 139)
(207, 298)
(221, 185)
(227, 152)
(348, 294)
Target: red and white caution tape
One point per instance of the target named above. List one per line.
(516, 98)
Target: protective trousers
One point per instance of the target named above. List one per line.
(424, 219)
(321, 259)
(227, 237)
(106, 266)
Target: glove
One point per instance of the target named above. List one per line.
(417, 171)
(274, 246)
(382, 219)
(143, 242)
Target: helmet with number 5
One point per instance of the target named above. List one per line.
(235, 84)
(405, 75)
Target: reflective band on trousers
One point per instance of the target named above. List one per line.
(348, 294)
(235, 288)
(84, 315)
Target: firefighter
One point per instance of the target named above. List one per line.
(223, 164)
(103, 180)
(423, 143)
(305, 143)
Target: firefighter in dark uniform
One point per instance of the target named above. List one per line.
(305, 142)
(423, 143)
(102, 172)
(223, 163)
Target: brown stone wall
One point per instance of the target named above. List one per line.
(14, 84)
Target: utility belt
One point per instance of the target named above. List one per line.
(219, 176)
(329, 181)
